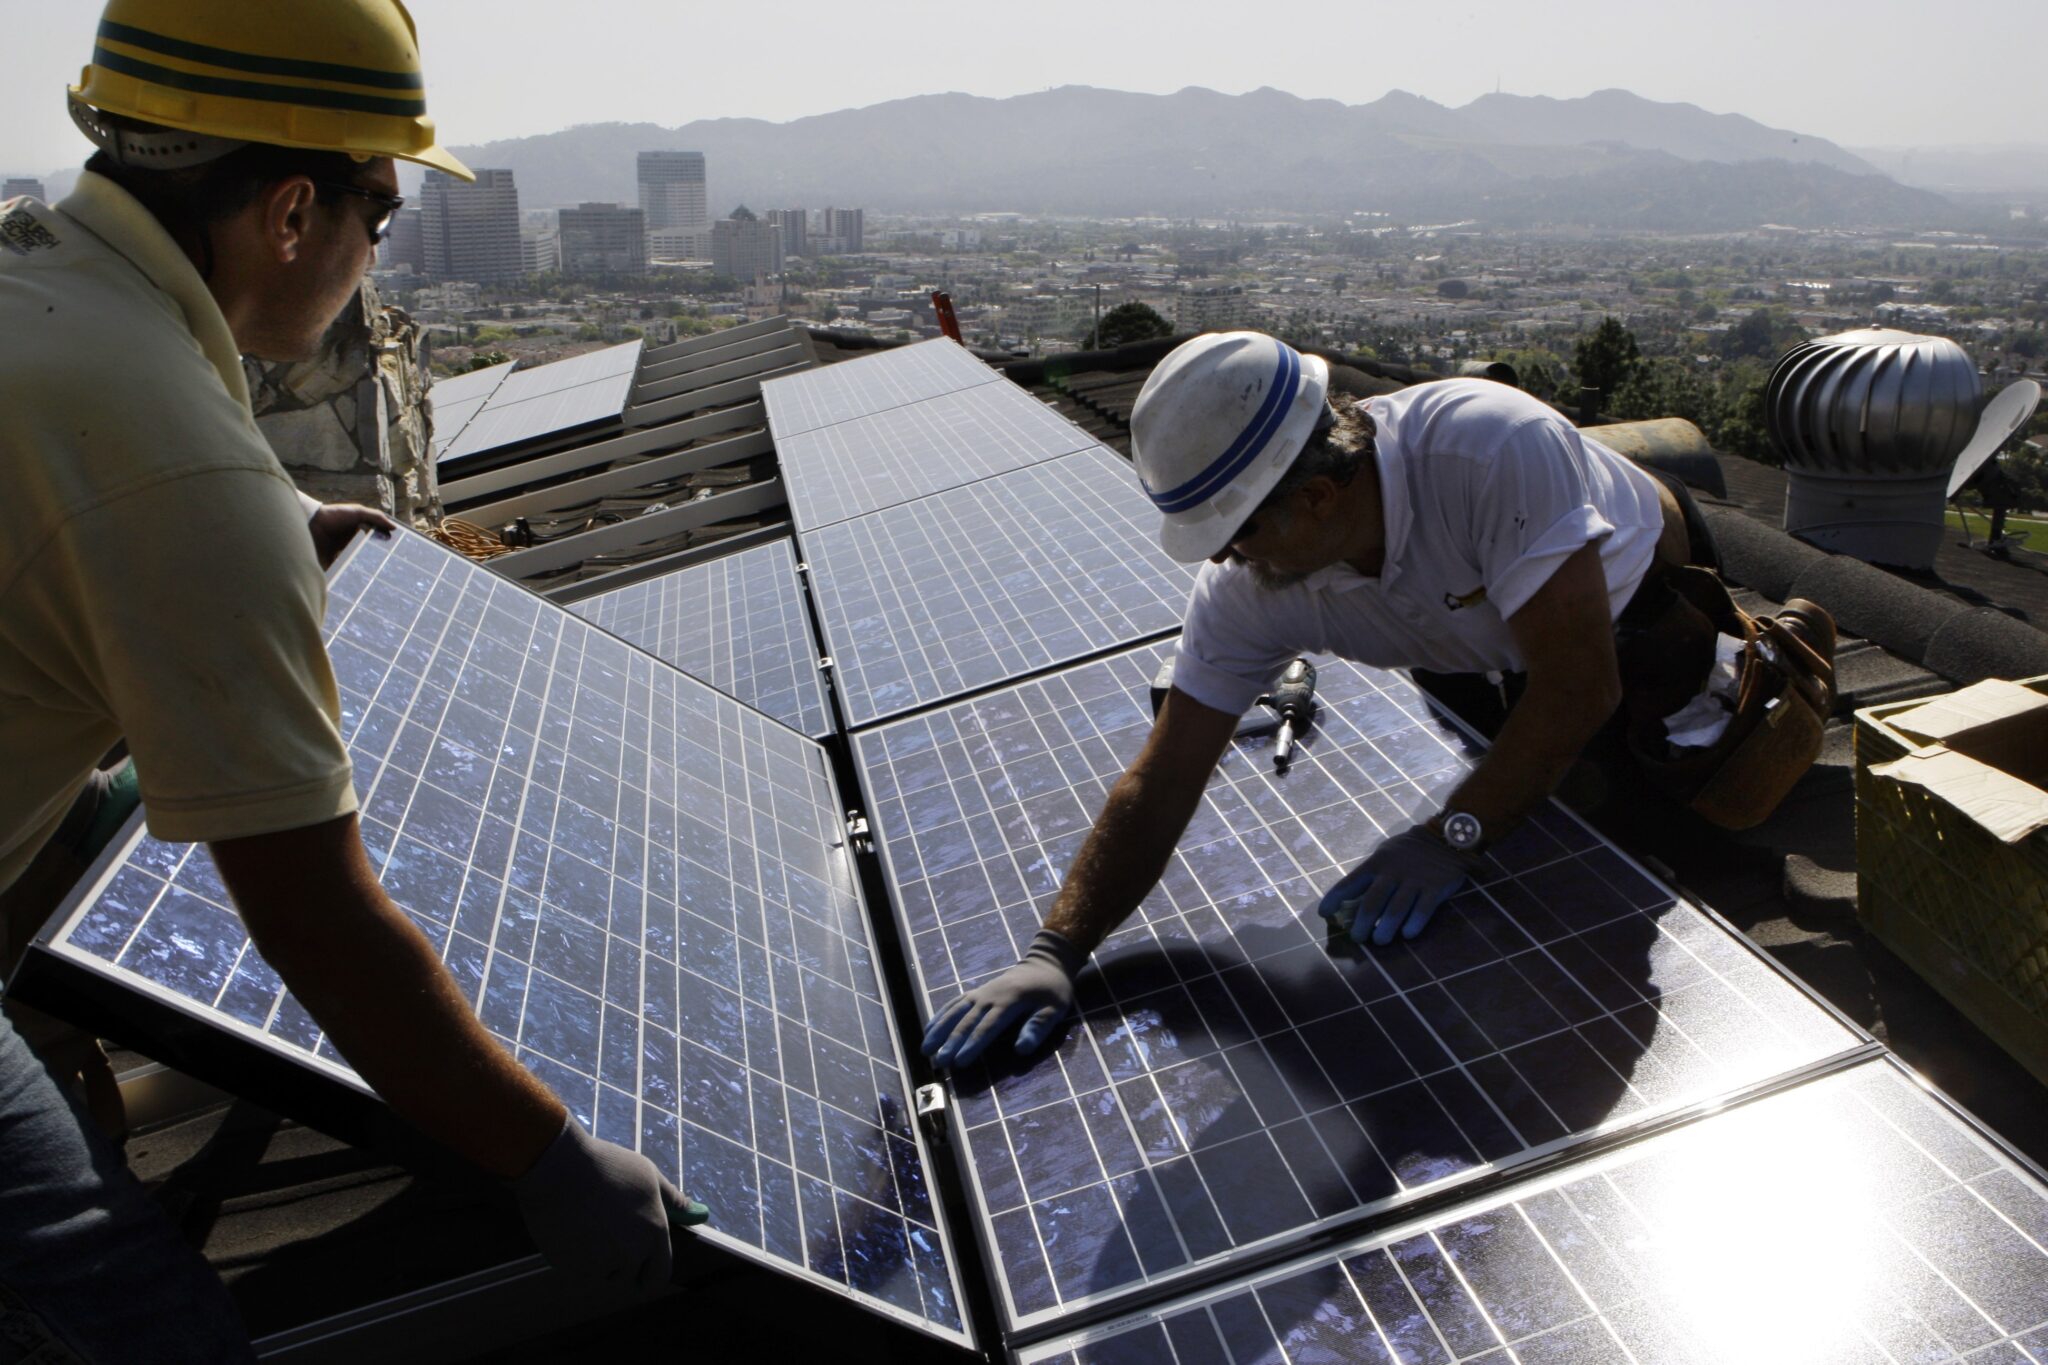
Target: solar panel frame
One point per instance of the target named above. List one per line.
(866, 464)
(1004, 783)
(738, 622)
(707, 926)
(1936, 1226)
(870, 384)
(989, 581)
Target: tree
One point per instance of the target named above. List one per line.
(1605, 359)
(1764, 335)
(1124, 324)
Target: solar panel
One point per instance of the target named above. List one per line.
(458, 398)
(987, 582)
(546, 399)
(640, 884)
(868, 463)
(737, 623)
(1851, 1219)
(1232, 1085)
(873, 383)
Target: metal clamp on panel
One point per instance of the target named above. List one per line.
(857, 832)
(931, 1105)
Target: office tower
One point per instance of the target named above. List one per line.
(406, 246)
(841, 229)
(24, 185)
(604, 239)
(672, 192)
(540, 253)
(471, 231)
(796, 230)
(744, 247)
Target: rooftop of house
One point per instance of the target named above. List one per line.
(304, 1228)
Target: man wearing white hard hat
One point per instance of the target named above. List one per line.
(1456, 527)
(159, 587)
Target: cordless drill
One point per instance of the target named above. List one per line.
(1294, 699)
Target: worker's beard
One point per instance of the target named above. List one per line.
(1272, 580)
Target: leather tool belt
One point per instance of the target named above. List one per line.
(1665, 645)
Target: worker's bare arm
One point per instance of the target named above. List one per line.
(1566, 637)
(314, 908)
(1146, 813)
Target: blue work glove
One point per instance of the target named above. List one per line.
(1399, 887)
(1040, 986)
(601, 1213)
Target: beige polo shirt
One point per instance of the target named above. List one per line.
(157, 582)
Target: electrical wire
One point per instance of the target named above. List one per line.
(469, 539)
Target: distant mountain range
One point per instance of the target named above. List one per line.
(1611, 159)
(2018, 169)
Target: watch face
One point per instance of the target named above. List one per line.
(1461, 831)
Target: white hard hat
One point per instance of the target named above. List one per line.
(1217, 424)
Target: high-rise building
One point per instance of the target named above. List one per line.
(744, 247)
(841, 229)
(540, 253)
(604, 239)
(19, 185)
(673, 244)
(406, 246)
(796, 230)
(471, 231)
(672, 193)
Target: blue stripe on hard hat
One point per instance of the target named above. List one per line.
(1246, 448)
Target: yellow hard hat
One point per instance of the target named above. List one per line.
(328, 75)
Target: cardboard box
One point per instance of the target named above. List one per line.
(1952, 851)
(1984, 750)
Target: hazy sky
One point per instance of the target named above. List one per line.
(1879, 72)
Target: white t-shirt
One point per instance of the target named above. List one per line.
(1486, 491)
(156, 579)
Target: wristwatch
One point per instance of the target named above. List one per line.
(1462, 831)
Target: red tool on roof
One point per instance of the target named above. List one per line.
(942, 304)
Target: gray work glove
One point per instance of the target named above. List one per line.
(599, 1212)
(1398, 887)
(1041, 986)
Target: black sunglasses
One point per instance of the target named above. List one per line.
(390, 203)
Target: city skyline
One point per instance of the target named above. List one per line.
(1798, 66)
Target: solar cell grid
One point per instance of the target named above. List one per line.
(641, 886)
(987, 582)
(737, 623)
(1231, 1085)
(1849, 1219)
(871, 384)
(910, 452)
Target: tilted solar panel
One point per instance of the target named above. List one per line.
(458, 398)
(983, 583)
(737, 622)
(910, 452)
(549, 398)
(640, 884)
(1853, 1218)
(873, 383)
(1232, 1085)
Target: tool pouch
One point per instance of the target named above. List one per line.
(1787, 686)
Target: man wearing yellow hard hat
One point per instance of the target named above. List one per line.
(159, 586)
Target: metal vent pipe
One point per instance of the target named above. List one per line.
(1869, 424)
